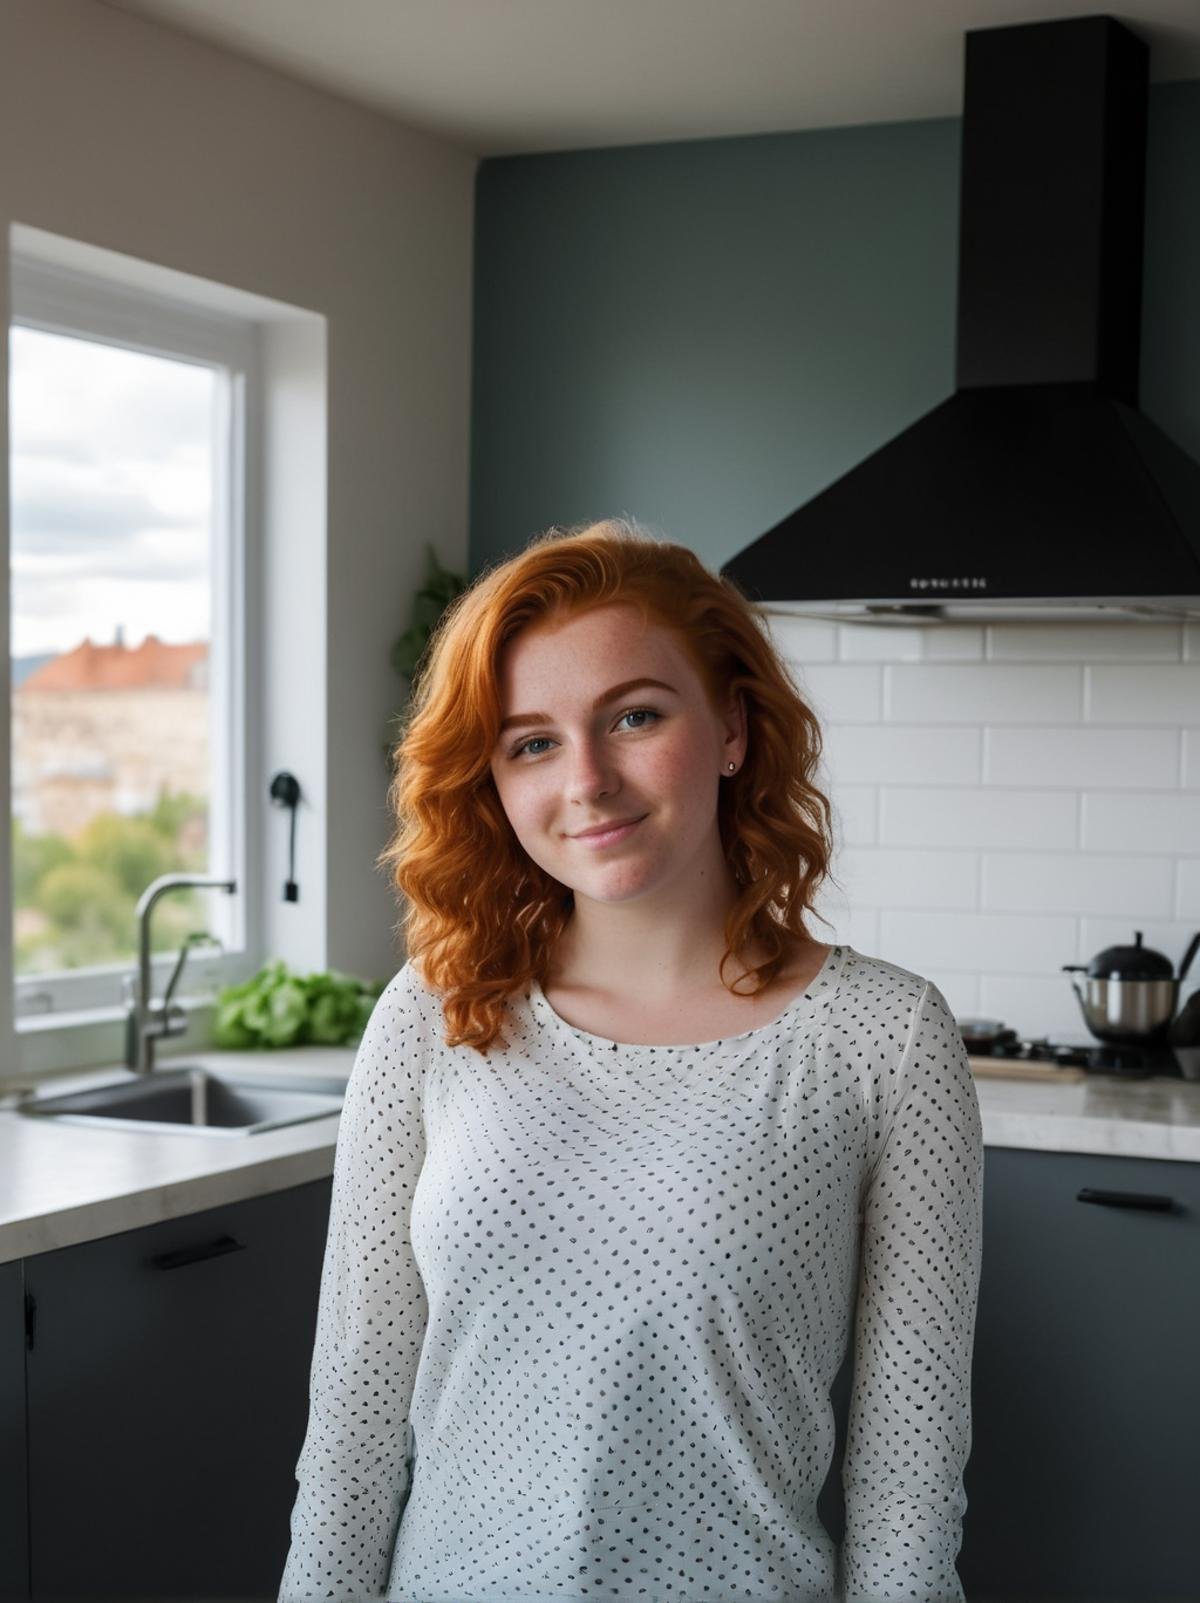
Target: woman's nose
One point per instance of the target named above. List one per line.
(591, 769)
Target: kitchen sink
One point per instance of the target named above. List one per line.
(190, 1100)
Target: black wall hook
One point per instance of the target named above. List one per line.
(285, 792)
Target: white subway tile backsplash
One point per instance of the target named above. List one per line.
(1045, 882)
(982, 693)
(876, 643)
(954, 642)
(1006, 943)
(1187, 890)
(856, 926)
(961, 816)
(801, 640)
(879, 877)
(1070, 758)
(1036, 1006)
(898, 754)
(1142, 694)
(842, 692)
(1019, 798)
(1085, 642)
(961, 992)
(1141, 822)
(1191, 759)
(855, 810)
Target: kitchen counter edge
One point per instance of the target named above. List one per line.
(66, 1184)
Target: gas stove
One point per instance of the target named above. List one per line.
(1127, 1061)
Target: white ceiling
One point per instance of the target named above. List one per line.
(500, 77)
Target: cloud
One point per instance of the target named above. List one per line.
(151, 558)
(84, 400)
(56, 509)
(111, 485)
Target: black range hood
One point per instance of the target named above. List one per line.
(1038, 491)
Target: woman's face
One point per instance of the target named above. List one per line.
(586, 756)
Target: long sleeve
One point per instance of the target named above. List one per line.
(909, 1431)
(353, 1470)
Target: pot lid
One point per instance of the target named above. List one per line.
(1136, 962)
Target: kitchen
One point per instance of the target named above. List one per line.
(749, 318)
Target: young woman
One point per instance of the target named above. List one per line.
(628, 1157)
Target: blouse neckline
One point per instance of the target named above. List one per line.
(803, 1002)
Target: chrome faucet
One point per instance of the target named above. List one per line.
(145, 1021)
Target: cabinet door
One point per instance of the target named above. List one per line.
(1085, 1463)
(14, 1531)
(168, 1399)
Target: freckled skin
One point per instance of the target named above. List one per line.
(585, 767)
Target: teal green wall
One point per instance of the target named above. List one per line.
(704, 334)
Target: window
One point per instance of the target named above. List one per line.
(130, 432)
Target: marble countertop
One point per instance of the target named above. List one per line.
(61, 1184)
(1158, 1117)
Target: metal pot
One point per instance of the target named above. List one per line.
(982, 1036)
(1130, 993)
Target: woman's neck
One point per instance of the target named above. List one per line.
(666, 967)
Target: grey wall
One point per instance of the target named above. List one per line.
(707, 333)
(136, 138)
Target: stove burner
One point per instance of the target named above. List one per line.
(1129, 1062)
(1042, 1050)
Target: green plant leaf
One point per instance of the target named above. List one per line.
(325, 1021)
(279, 1009)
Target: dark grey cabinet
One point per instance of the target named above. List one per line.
(1084, 1472)
(167, 1388)
(14, 1508)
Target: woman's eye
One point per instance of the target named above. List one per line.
(633, 712)
(638, 712)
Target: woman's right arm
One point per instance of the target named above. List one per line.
(352, 1472)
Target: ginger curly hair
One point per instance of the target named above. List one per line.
(482, 919)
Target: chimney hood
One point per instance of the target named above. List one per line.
(1037, 491)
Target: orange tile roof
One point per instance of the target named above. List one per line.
(155, 664)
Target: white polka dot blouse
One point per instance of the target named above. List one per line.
(583, 1302)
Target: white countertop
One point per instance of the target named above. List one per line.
(1158, 1117)
(61, 1184)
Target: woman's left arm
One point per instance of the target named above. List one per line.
(909, 1430)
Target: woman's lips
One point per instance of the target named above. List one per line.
(609, 837)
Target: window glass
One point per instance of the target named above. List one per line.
(113, 465)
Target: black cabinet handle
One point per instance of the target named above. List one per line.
(1126, 1199)
(185, 1255)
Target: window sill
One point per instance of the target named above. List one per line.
(94, 1038)
(34, 1023)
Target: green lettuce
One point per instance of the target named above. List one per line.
(276, 1008)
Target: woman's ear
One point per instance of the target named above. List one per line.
(736, 728)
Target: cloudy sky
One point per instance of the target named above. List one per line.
(111, 487)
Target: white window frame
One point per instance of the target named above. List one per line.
(61, 299)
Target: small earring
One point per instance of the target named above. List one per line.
(732, 766)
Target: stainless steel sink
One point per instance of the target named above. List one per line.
(193, 1100)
